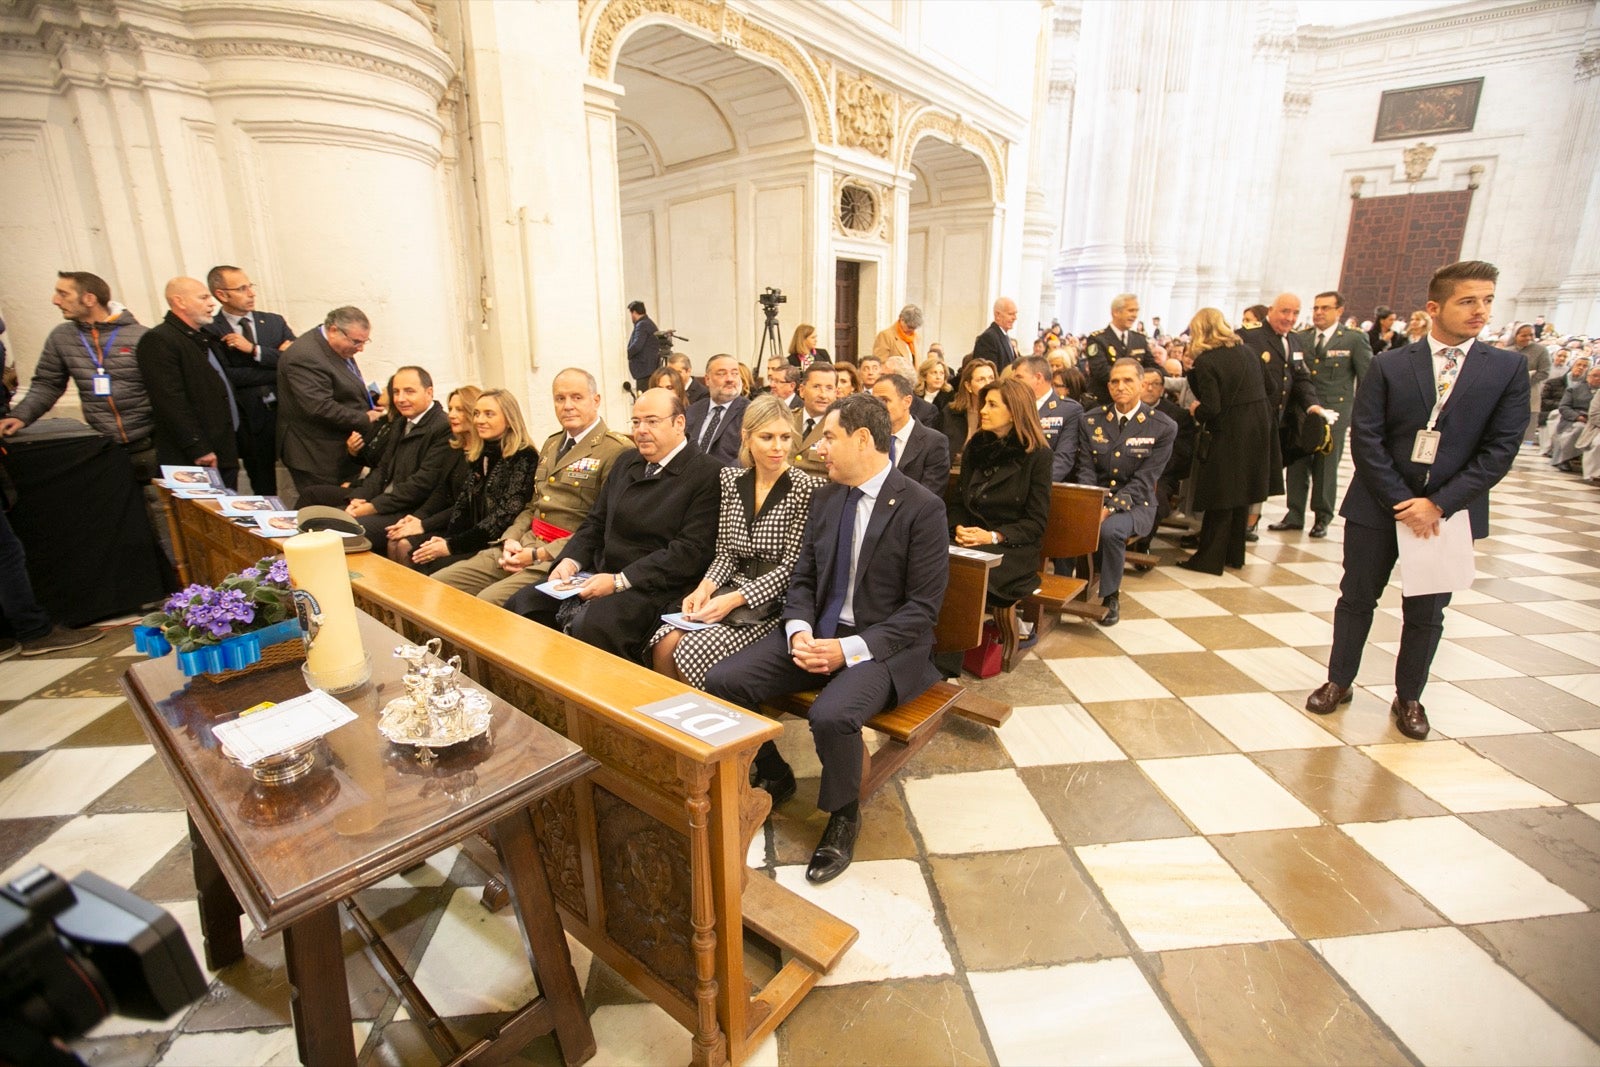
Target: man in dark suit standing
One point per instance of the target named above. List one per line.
(1436, 425)
(1289, 385)
(858, 620)
(323, 399)
(251, 342)
(921, 454)
(648, 539)
(1337, 358)
(715, 420)
(643, 349)
(1117, 341)
(196, 416)
(995, 343)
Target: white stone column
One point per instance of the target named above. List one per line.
(1576, 276)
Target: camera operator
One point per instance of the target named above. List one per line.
(644, 354)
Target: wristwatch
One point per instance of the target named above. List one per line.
(994, 537)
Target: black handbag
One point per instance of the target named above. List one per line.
(745, 615)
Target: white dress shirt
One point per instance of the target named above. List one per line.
(903, 436)
(854, 647)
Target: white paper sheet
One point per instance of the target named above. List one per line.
(1439, 564)
(252, 738)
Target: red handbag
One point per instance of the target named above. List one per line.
(984, 660)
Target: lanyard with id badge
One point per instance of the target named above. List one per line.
(101, 381)
(1426, 447)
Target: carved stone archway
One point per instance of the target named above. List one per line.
(930, 122)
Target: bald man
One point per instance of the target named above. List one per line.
(196, 414)
(995, 344)
(1289, 385)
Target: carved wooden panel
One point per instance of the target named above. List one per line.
(645, 883)
(555, 819)
(635, 758)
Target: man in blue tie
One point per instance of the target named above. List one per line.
(1436, 425)
(858, 620)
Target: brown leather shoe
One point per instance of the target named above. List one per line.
(1327, 697)
(1410, 718)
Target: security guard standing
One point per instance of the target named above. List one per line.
(1336, 358)
(1123, 446)
(573, 464)
(1117, 341)
(1288, 382)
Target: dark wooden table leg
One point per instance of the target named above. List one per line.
(219, 908)
(535, 908)
(319, 996)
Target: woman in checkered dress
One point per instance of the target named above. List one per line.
(761, 528)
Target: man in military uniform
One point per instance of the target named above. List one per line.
(1058, 416)
(1336, 357)
(817, 391)
(1123, 446)
(1287, 380)
(573, 464)
(1117, 341)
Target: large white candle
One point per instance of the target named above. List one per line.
(316, 565)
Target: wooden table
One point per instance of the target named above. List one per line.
(287, 855)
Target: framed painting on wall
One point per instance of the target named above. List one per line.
(1449, 107)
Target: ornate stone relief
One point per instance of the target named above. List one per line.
(1417, 158)
(1296, 102)
(961, 135)
(865, 114)
(858, 208)
(1587, 65)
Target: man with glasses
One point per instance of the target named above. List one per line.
(251, 342)
(323, 399)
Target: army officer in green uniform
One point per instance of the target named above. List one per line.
(1336, 358)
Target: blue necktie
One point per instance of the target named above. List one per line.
(216, 365)
(839, 579)
(894, 449)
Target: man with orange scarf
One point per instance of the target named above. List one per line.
(900, 339)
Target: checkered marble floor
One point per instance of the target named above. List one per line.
(1159, 859)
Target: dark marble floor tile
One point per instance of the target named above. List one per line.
(115, 727)
(1022, 909)
(20, 836)
(1563, 844)
(11, 762)
(1529, 657)
(1553, 764)
(911, 1022)
(1219, 632)
(1075, 639)
(1245, 601)
(1556, 956)
(1323, 884)
(605, 986)
(1031, 682)
(1515, 619)
(404, 1044)
(1343, 785)
(1093, 803)
(1191, 674)
(885, 828)
(960, 745)
(149, 787)
(1273, 1003)
(101, 678)
(1152, 729)
(172, 877)
(1536, 702)
(1505, 568)
(1508, 590)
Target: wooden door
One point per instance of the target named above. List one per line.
(1394, 246)
(846, 308)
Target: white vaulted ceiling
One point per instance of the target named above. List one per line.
(946, 174)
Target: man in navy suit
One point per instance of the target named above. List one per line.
(995, 343)
(715, 420)
(1475, 400)
(921, 454)
(858, 620)
(251, 341)
(644, 354)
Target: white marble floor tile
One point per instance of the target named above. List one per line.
(1591, 810)
(1583, 686)
(1322, 550)
(433, 872)
(1199, 580)
(475, 963)
(131, 651)
(65, 780)
(1471, 596)
(1583, 645)
(1278, 670)
(1102, 1012)
(1227, 794)
(638, 1035)
(1456, 664)
(1547, 564)
(1049, 734)
(23, 677)
(979, 811)
(1531, 543)
(1175, 604)
(1469, 878)
(1459, 778)
(1459, 624)
(888, 901)
(1473, 1011)
(1520, 511)
(1566, 588)
(1260, 722)
(1454, 712)
(1100, 678)
(1585, 739)
(1518, 525)
(1585, 617)
(1305, 597)
(1323, 572)
(244, 1048)
(1179, 893)
(1145, 637)
(43, 721)
(120, 848)
(1299, 628)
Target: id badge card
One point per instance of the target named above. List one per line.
(102, 384)
(1426, 448)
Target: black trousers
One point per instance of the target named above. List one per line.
(1369, 557)
(619, 623)
(1221, 539)
(848, 699)
(258, 451)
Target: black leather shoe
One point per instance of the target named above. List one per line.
(1190, 565)
(782, 787)
(1189, 541)
(1113, 610)
(1326, 698)
(1286, 525)
(1410, 718)
(1251, 536)
(1319, 529)
(836, 849)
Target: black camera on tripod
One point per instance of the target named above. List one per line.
(72, 954)
(770, 298)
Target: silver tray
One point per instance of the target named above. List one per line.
(402, 724)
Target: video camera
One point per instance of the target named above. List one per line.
(770, 298)
(72, 954)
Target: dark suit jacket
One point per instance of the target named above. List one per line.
(994, 344)
(900, 577)
(927, 459)
(1060, 419)
(926, 413)
(1183, 445)
(411, 465)
(1480, 429)
(661, 532)
(254, 379)
(724, 448)
(696, 391)
(1289, 386)
(188, 397)
(643, 349)
(319, 404)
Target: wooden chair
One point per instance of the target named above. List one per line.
(1073, 532)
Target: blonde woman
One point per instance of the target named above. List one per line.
(1417, 326)
(761, 529)
(434, 513)
(933, 381)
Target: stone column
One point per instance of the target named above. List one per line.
(1577, 294)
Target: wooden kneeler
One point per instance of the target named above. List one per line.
(1072, 532)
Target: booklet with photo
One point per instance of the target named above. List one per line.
(250, 505)
(278, 523)
(174, 477)
(563, 590)
(201, 492)
(677, 620)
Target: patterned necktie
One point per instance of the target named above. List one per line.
(566, 446)
(651, 470)
(1447, 374)
(712, 425)
(839, 578)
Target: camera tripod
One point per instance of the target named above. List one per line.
(770, 340)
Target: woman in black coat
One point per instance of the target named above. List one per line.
(1232, 408)
(1002, 501)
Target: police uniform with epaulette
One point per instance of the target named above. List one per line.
(1104, 349)
(1126, 458)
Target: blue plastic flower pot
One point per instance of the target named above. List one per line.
(151, 641)
(236, 653)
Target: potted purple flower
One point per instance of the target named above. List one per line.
(244, 621)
